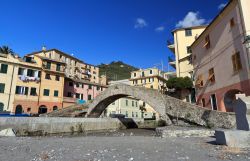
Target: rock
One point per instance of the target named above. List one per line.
(233, 138)
(7, 132)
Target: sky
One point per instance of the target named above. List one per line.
(102, 31)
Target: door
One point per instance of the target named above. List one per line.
(213, 101)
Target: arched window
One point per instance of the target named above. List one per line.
(42, 109)
(1, 106)
(55, 108)
(19, 109)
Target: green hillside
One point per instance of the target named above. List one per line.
(116, 70)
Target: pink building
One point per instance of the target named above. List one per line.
(221, 58)
(80, 91)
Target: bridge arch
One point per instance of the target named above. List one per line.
(149, 96)
(163, 104)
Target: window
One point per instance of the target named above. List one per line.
(236, 62)
(89, 97)
(90, 86)
(77, 85)
(151, 72)
(69, 94)
(28, 109)
(136, 104)
(57, 78)
(203, 102)
(30, 73)
(132, 114)
(149, 80)
(232, 23)
(46, 92)
(48, 65)
(20, 71)
(2, 87)
(55, 93)
(152, 79)
(152, 86)
(189, 50)
(97, 88)
(188, 32)
(55, 108)
(136, 114)
(77, 95)
(199, 81)
(142, 74)
(207, 42)
(211, 75)
(126, 114)
(70, 84)
(22, 90)
(33, 91)
(47, 76)
(58, 67)
(134, 74)
(132, 103)
(4, 68)
(126, 102)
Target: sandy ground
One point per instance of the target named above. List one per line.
(130, 145)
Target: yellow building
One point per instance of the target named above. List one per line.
(27, 87)
(183, 39)
(8, 72)
(75, 68)
(52, 84)
(149, 78)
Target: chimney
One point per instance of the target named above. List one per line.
(44, 48)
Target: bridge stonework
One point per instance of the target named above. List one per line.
(166, 106)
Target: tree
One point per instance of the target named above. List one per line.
(179, 83)
(6, 50)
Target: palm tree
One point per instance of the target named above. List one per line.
(6, 50)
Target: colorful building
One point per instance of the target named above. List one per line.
(80, 91)
(221, 58)
(150, 78)
(181, 47)
(27, 87)
(8, 78)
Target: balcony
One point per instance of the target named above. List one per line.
(172, 62)
(170, 44)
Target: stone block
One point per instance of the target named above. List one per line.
(242, 111)
(7, 132)
(233, 138)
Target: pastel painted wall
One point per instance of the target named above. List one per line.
(225, 41)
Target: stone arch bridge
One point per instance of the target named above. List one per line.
(168, 107)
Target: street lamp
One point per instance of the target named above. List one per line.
(247, 41)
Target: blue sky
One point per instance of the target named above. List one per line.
(101, 31)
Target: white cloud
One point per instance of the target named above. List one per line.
(222, 5)
(160, 29)
(191, 19)
(140, 23)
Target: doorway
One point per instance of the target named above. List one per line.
(213, 101)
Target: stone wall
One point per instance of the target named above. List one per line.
(53, 125)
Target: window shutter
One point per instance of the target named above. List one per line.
(26, 90)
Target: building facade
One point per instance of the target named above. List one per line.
(221, 59)
(127, 106)
(74, 67)
(8, 72)
(80, 91)
(181, 47)
(149, 78)
(27, 87)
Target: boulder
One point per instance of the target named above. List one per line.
(7, 132)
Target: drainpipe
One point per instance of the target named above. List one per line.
(12, 76)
